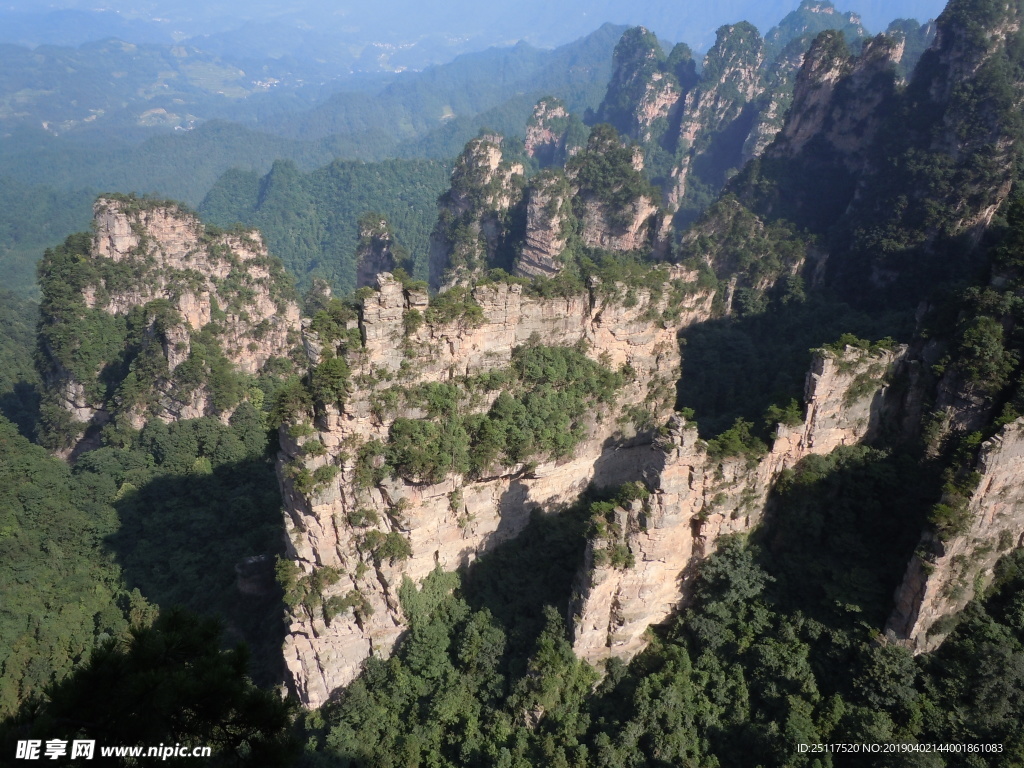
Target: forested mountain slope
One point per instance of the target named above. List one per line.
(584, 497)
(311, 219)
(767, 264)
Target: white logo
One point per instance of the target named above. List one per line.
(29, 750)
(84, 749)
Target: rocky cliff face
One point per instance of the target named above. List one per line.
(773, 104)
(696, 497)
(552, 134)
(730, 80)
(973, 49)
(375, 492)
(632, 227)
(549, 219)
(470, 227)
(337, 528)
(837, 98)
(374, 254)
(492, 218)
(909, 170)
(173, 257)
(949, 571)
(646, 88)
(155, 301)
(614, 205)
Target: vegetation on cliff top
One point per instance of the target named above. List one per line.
(541, 411)
(120, 360)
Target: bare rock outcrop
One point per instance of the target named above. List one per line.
(948, 571)
(730, 81)
(837, 97)
(632, 228)
(615, 206)
(173, 289)
(548, 219)
(646, 89)
(173, 257)
(368, 528)
(375, 251)
(695, 498)
(470, 225)
(552, 134)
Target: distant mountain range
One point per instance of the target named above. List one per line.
(392, 35)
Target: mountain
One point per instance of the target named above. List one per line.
(436, 471)
(156, 316)
(391, 36)
(700, 440)
(311, 219)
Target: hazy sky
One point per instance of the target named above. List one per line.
(402, 21)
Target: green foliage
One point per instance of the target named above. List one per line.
(331, 322)
(736, 367)
(640, 61)
(329, 381)
(484, 675)
(981, 353)
(412, 321)
(362, 518)
(311, 219)
(392, 547)
(32, 219)
(841, 551)
(738, 440)
(119, 359)
(838, 347)
(371, 464)
(63, 593)
(550, 392)
(791, 415)
(735, 243)
(306, 590)
(19, 379)
(808, 20)
(604, 171)
(771, 652)
(174, 685)
(952, 516)
(427, 450)
(292, 401)
(454, 305)
(207, 365)
(81, 340)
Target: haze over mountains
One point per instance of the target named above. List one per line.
(392, 35)
(168, 112)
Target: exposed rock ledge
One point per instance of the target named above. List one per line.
(442, 528)
(695, 499)
(945, 576)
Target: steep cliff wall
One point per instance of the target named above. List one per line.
(949, 571)
(615, 206)
(696, 497)
(553, 135)
(721, 102)
(366, 526)
(138, 318)
(549, 219)
(172, 256)
(470, 228)
(375, 252)
(837, 98)
(646, 88)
